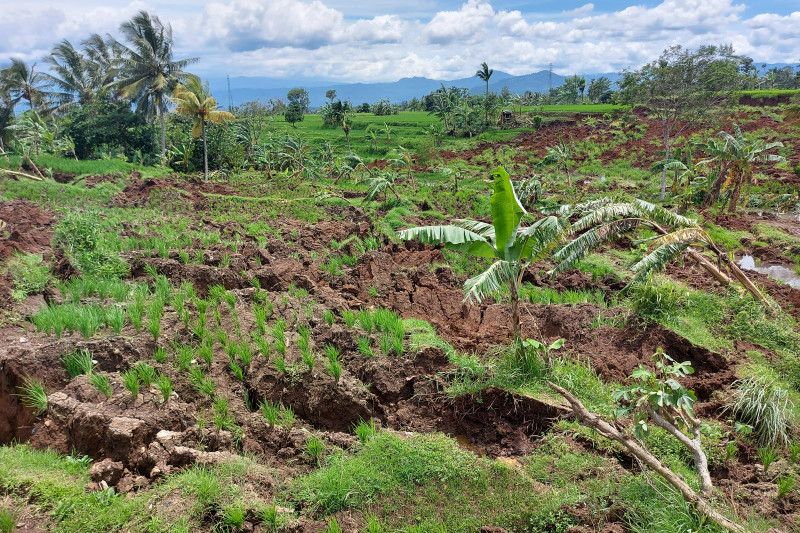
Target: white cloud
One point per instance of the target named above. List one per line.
(311, 38)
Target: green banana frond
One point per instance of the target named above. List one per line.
(490, 281)
(606, 213)
(451, 236)
(657, 260)
(686, 236)
(538, 238)
(581, 246)
(483, 229)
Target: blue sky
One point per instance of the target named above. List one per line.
(383, 40)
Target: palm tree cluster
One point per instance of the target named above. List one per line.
(140, 68)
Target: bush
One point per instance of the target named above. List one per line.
(90, 249)
(30, 274)
(107, 126)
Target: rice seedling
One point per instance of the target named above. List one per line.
(287, 417)
(786, 484)
(184, 356)
(78, 363)
(236, 370)
(160, 355)
(365, 430)
(333, 526)
(328, 317)
(102, 384)
(115, 318)
(761, 402)
(349, 318)
(304, 345)
(767, 455)
(279, 336)
(130, 380)
(33, 395)
(365, 347)
(206, 352)
(263, 346)
(315, 449)
(136, 310)
(269, 517)
(164, 385)
(280, 364)
(260, 316)
(154, 314)
(245, 354)
(271, 412)
(334, 364)
(365, 320)
(146, 373)
(201, 382)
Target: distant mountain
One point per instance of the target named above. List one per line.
(244, 89)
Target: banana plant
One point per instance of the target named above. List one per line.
(511, 246)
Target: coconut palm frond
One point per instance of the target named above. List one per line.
(581, 246)
(490, 281)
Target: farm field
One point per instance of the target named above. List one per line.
(258, 351)
(378, 293)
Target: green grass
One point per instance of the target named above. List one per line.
(573, 108)
(75, 167)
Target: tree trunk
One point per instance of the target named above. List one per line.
(713, 192)
(163, 123)
(205, 151)
(663, 191)
(593, 421)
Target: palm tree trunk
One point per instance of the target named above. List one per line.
(163, 124)
(205, 151)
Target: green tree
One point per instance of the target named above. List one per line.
(150, 73)
(193, 100)
(599, 90)
(20, 81)
(485, 73)
(297, 107)
(71, 73)
(510, 246)
(681, 88)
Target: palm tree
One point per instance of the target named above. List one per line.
(22, 82)
(149, 72)
(192, 100)
(510, 246)
(104, 57)
(485, 73)
(736, 155)
(71, 73)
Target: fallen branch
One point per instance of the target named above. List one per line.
(591, 420)
(20, 174)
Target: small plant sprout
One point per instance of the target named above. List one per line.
(534, 348)
(334, 365)
(279, 336)
(767, 455)
(315, 448)
(102, 384)
(349, 318)
(269, 517)
(365, 347)
(233, 516)
(154, 316)
(147, 374)
(130, 379)
(160, 355)
(786, 484)
(200, 382)
(328, 317)
(164, 385)
(78, 363)
(33, 395)
(271, 412)
(365, 430)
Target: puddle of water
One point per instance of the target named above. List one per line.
(776, 272)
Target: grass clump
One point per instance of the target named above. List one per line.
(29, 273)
(102, 384)
(762, 402)
(33, 395)
(78, 363)
(131, 382)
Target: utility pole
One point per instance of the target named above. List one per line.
(230, 98)
(550, 78)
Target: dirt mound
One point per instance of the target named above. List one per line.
(138, 191)
(28, 228)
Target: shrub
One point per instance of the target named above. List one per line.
(762, 403)
(30, 275)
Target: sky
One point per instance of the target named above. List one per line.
(385, 40)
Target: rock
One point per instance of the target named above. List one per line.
(107, 471)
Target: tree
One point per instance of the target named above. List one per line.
(21, 82)
(108, 125)
(736, 155)
(193, 100)
(681, 88)
(150, 73)
(659, 398)
(604, 220)
(599, 90)
(330, 94)
(71, 73)
(581, 84)
(510, 246)
(297, 107)
(485, 73)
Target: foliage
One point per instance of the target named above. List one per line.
(30, 274)
(761, 402)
